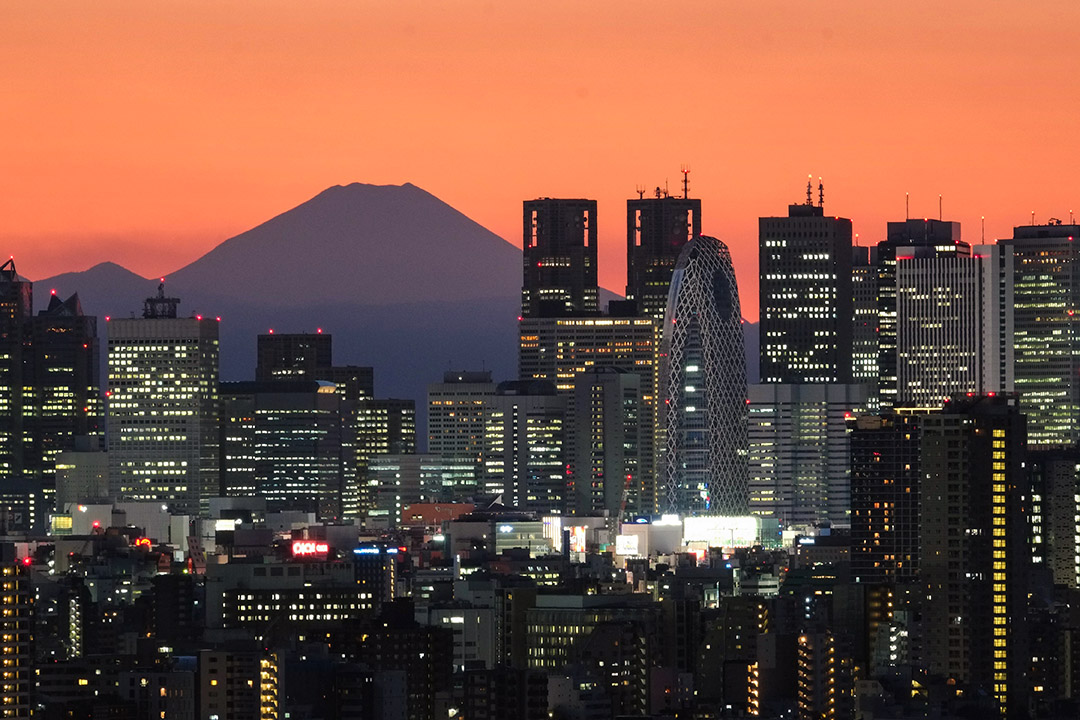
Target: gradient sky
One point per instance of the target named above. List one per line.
(146, 133)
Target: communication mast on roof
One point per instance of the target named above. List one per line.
(821, 192)
(685, 181)
(160, 306)
(809, 191)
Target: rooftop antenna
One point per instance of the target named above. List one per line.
(856, 239)
(907, 206)
(1032, 217)
(939, 215)
(809, 190)
(1071, 222)
(640, 190)
(821, 192)
(666, 193)
(984, 229)
(685, 181)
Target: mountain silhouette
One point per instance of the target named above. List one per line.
(404, 283)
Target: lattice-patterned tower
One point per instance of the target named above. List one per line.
(703, 386)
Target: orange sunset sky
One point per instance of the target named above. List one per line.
(146, 133)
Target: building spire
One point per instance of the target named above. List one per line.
(821, 193)
(809, 190)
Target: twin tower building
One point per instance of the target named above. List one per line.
(676, 342)
(845, 330)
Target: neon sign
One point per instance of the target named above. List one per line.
(304, 548)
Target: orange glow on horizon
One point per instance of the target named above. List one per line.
(148, 133)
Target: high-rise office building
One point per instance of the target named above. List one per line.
(457, 412)
(657, 228)
(16, 306)
(953, 323)
(163, 407)
(799, 452)
(864, 340)
(604, 450)
(383, 426)
(292, 356)
(703, 386)
(401, 480)
(559, 350)
(939, 239)
(525, 447)
(975, 555)
(236, 438)
(286, 441)
(1046, 296)
(806, 296)
(309, 356)
(1055, 513)
(559, 255)
(62, 386)
(885, 487)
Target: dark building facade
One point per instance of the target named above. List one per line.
(559, 254)
(291, 356)
(975, 557)
(289, 442)
(885, 485)
(63, 385)
(49, 395)
(657, 228)
(805, 292)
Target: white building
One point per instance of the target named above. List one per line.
(162, 407)
(953, 318)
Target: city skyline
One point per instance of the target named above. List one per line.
(239, 117)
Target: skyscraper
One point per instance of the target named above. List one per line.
(309, 356)
(703, 381)
(286, 441)
(61, 385)
(16, 306)
(524, 447)
(940, 239)
(559, 255)
(1046, 287)
(16, 639)
(457, 413)
(975, 554)
(559, 350)
(163, 406)
(799, 452)
(952, 323)
(806, 296)
(49, 395)
(885, 487)
(657, 228)
(864, 340)
(383, 426)
(604, 452)
(292, 356)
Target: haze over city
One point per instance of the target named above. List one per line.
(148, 133)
